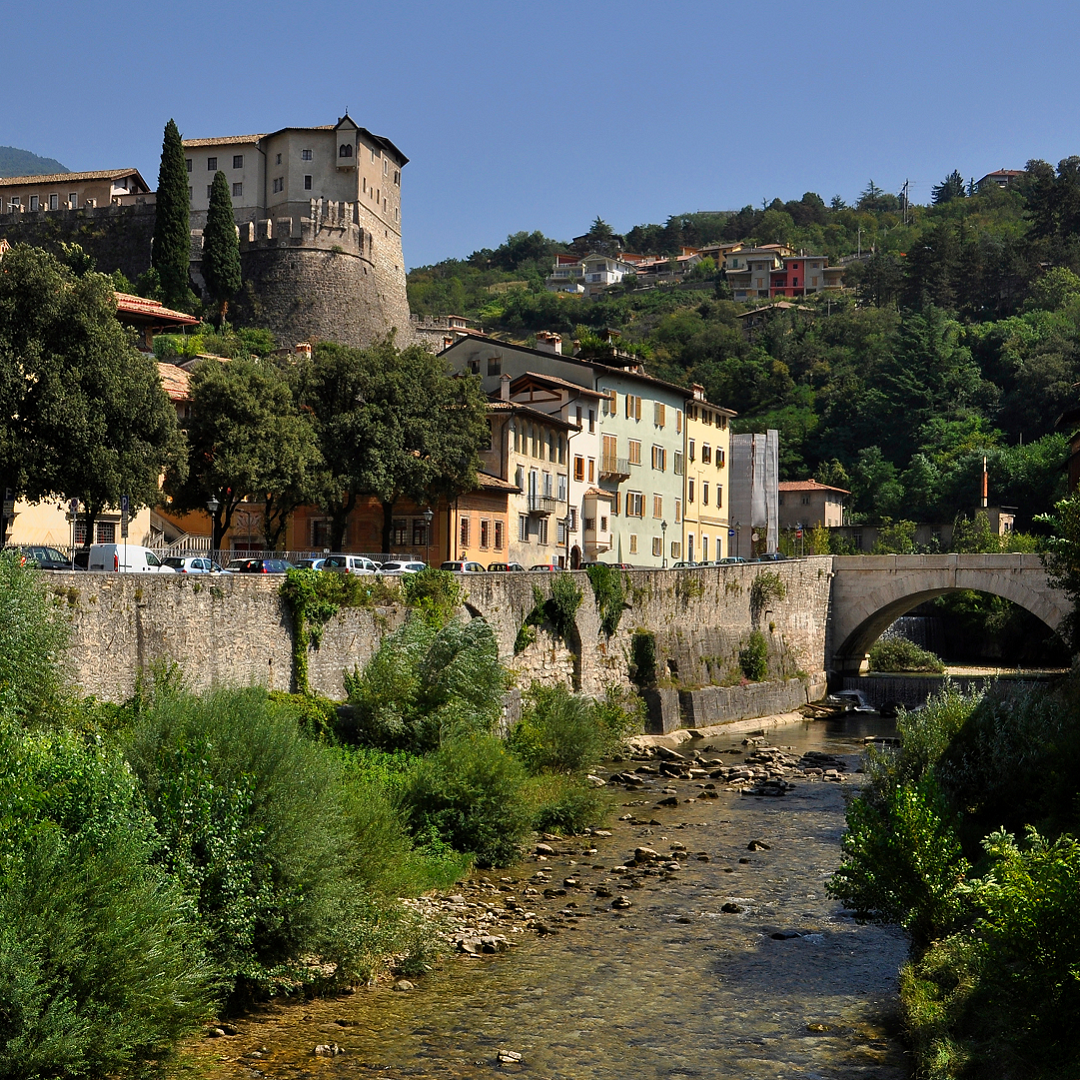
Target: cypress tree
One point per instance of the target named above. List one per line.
(221, 247)
(171, 251)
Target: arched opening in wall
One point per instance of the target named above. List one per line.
(968, 631)
(345, 151)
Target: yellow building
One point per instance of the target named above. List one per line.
(705, 522)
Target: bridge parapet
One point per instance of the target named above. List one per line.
(869, 592)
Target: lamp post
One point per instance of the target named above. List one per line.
(212, 506)
(428, 517)
(738, 538)
(663, 542)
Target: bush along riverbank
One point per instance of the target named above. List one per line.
(170, 859)
(966, 835)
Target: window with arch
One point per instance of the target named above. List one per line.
(345, 150)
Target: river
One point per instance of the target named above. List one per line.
(671, 987)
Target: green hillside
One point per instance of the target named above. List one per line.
(957, 337)
(16, 162)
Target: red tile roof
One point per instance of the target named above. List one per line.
(67, 177)
(150, 310)
(808, 485)
(177, 381)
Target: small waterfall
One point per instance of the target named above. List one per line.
(924, 630)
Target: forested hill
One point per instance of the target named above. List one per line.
(16, 162)
(958, 337)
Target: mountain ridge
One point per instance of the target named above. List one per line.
(16, 162)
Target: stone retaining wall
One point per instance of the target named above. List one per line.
(913, 690)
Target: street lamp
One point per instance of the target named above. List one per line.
(212, 506)
(428, 517)
(738, 538)
(663, 542)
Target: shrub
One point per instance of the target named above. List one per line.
(566, 804)
(900, 654)
(767, 588)
(754, 657)
(469, 794)
(609, 594)
(425, 682)
(264, 831)
(33, 637)
(435, 594)
(101, 960)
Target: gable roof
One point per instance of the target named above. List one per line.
(140, 310)
(71, 177)
(176, 380)
(809, 485)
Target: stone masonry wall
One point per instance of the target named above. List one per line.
(118, 237)
(235, 629)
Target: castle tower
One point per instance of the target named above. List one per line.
(319, 214)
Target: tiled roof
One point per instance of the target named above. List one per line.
(68, 177)
(126, 304)
(227, 140)
(599, 493)
(554, 380)
(808, 485)
(177, 381)
(495, 483)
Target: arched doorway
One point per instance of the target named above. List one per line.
(575, 558)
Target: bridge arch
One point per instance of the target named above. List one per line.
(870, 592)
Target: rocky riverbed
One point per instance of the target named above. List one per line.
(691, 938)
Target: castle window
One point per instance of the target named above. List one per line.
(307, 183)
(73, 200)
(397, 177)
(278, 160)
(305, 155)
(385, 167)
(209, 189)
(279, 184)
(189, 164)
(345, 150)
(238, 161)
(237, 189)
(35, 202)
(211, 164)
(54, 201)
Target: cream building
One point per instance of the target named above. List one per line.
(71, 191)
(706, 519)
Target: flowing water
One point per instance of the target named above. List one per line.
(669, 988)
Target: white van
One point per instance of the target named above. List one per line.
(130, 558)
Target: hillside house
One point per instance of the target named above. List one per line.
(71, 191)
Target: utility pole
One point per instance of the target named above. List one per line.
(906, 199)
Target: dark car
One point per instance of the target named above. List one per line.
(505, 566)
(259, 566)
(771, 556)
(41, 556)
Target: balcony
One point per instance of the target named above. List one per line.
(614, 468)
(542, 504)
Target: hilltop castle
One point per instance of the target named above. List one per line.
(319, 215)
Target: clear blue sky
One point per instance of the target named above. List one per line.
(543, 116)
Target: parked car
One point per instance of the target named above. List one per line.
(126, 558)
(462, 566)
(729, 560)
(397, 567)
(41, 556)
(349, 564)
(545, 566)
(309, 564)
(771, 556)
(259, 566)
(686, 564)
(81, 559)
(505, 566)
(193, 564)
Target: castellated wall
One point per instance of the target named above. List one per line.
(320, 278)
(118, 237)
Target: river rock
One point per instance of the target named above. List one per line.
(671, 800)
(758, 845)
(544, 849)
(646, 854)
(730, 908)
(508, 1057)
(596, 781)
(667, 754)
(620, 903)
(328, 1050)
(402, 985)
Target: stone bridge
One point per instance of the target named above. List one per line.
(870, 591)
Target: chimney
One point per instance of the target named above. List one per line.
(504, 387)
(546, 341)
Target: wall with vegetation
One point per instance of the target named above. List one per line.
(237, 629)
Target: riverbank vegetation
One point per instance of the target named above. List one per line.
(184, 853)
(966, 836)
(899, 654)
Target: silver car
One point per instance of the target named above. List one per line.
(192, 564)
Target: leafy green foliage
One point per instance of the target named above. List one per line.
(221, 247)
(900, 654)
(565, 804)
(33, 636)
(425, 683)
(469, 792)
(754, 657)
(558, 611)
(172, 238)
(1062, 561)
(101, 963)
(434, 594)
(767, 588)
(609, 594)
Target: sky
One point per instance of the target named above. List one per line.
(544, 116)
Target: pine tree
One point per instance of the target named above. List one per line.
(171, 251)
(221, 247)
